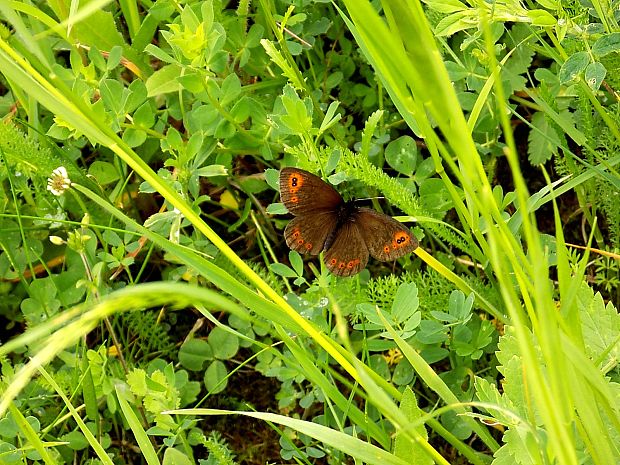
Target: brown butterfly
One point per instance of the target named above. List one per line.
(347, 233)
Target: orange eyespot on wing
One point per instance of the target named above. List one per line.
(386, 238)
(348, 254)
(307, 233)
(303, 192)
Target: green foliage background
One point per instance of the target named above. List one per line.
(156, 295)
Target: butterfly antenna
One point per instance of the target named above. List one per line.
(369, 198)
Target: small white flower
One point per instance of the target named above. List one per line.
(59, 181)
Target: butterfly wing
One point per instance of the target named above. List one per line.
(347, 254)
(307, 233)
(303, 192)
(385, 238)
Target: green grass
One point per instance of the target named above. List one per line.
(154, 291)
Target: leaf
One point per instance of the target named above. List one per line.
(432, 332)
(134, 137)
(281, 62)
(211, 170)
(112, 95)
(594, 75)
(607, 44)
(104, 172)
(296, 262)
(601, 326)
(405, 302)
(136, 379)
(573, 66)
(446, 6)
(194, 353)
(282, 270)
(360, 449)
(404, 447)
(231, 88)
(224, 344)
(175, 457)
(163, 81)
(76, 440)
(403, 373)
(216, 377)
(459, 306)
(144, 116)
(297, 119)
(369, 130)
(543, 140)
(277, 208)
(401, 154)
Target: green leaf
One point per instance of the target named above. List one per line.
(333, 80)
(277, 209)
(282, 270)
(405, 447)
(224, 344)
(176, 457)
(406, 302)
(231, 89)
(543, 140)
(573, 67)
(607, 44)
(194, 353)
(136, 379)
(163, 81)
(403, 373)
(432, 332)
(601, 326)
(296, 262)
(281, 62)
(216, 377)
(76, 440)
(134, 137)
(8, 427)
(542, 18)
(272, 177)
(144, 116)
(459, 306)
(212, 170)
(360, 449)
(369, 129)
(401, 154)
(446, 6)
(296, 118)
(114, 57)
(112, 95)
(104, 172)
(594, 75)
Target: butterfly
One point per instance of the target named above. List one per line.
(347, 234)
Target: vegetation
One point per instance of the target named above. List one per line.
(151, 311)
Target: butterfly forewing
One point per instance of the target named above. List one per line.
(348, 254)
(303, 192)
(385, 238)
(307, 233)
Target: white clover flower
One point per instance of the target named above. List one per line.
(59, 181)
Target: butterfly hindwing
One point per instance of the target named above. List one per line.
(347, 254)
(307, 233)
(385, 238)
(303, 192)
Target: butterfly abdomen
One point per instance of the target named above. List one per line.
(345, 214)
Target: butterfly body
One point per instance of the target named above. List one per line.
(347, 234)
(345, 213)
